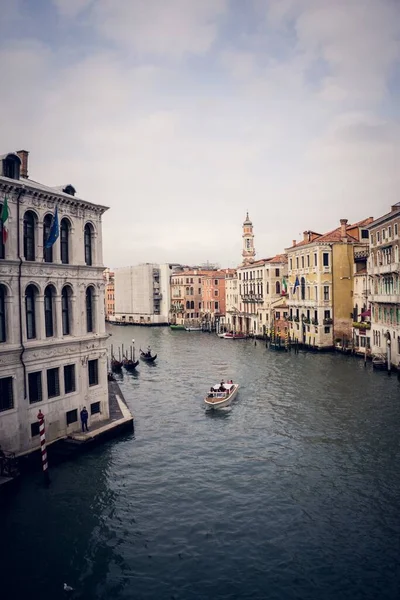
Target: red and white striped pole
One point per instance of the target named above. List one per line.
(45, 465)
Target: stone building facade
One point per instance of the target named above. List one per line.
(52, 328)
(384, 285)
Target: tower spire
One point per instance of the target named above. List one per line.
(248, 252)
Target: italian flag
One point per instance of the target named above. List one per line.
(4, 219)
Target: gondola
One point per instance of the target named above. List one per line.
(147, 357)
(116, 365)
(130, 365)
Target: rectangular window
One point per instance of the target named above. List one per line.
(216, 293)
(372, 239)
(378, 236)
(276, 272)
(395, 229)
(199, 290)
(389, 231)
(291, 264)
(364, 234)
(325, 259)
(297, 262)
(93, 372)
(69, 379)
(216, 306)
(53, 383)
(316, 292)
(35, 387)
(35, 429)
(302, 262)
(6, 394)
(72, 416)
(95, 408)
(326, 292)
(308, 260)
(327, 329)
(315, 260)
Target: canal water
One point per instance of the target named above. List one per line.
(291, 493)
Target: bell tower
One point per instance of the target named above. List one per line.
(248, 251)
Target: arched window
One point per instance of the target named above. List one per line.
(66, 309)
(191, 291)
(64, 241)
(278, 287)
(49, 310)
(192, 304)
(303, 288)
(47, 252)
(187, 304)
(30, 310)
(29, 235)
(88, 235)
(89, 309)
(3, 331)
(2, 247)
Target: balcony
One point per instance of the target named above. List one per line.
(362, 325)
(392, 267)
(157, 295)
(252, 298)
(328, 321)
(385, 298)
(314, 321)
(361, 255)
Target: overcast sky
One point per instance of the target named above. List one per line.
(180, 115)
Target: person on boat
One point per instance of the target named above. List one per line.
(222, 387)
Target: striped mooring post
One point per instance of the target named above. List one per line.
(45, 465)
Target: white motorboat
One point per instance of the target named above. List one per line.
(193, 328)
(221, 395)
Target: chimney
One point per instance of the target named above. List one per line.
(294, 243)
(395, 207)
(306, 236)
(23, 154)
(343, 233)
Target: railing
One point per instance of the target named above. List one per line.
(296, 319)
(306, 321)
(328, 321)
(362, 325)
(314, 321)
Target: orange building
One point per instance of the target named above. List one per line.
(214, 297)
(109, 296)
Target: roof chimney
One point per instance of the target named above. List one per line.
(23, 154)
(343, 233)
(306, 236)
(395, 207)
(294, 242)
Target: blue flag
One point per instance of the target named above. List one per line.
(296, 284)
(54, 230)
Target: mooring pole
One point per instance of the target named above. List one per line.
(45, 465)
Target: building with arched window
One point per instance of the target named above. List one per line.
(384, 285)
(52, 329)
(321, 270)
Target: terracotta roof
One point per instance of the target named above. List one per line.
(366, 221)
(279, 258)
(335, 236)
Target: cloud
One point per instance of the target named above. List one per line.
(181, 116)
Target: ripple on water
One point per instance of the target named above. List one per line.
(292, 492)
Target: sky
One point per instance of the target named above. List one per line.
(181, 115)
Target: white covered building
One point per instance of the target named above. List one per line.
(142, 294)
(52, 329)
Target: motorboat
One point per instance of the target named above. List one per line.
(232, 336)
(221, 395)
(379, 363)
(193, 328)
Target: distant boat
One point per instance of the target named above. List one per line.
(177, 327)
(379, 363)
(147, 357)
(232, 336)
(193, 328)
(221, 395)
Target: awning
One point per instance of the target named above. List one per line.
(367, 313)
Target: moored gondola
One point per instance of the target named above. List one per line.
(130, 365)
